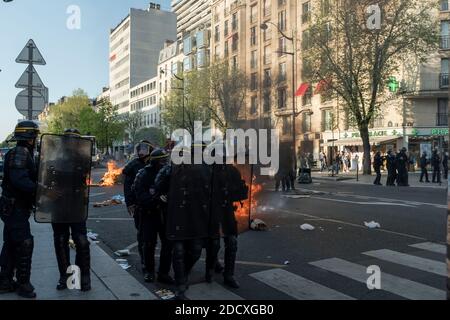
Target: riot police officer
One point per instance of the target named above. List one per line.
(143, 151)
(228, 188)
(153, 211)
(18, 197)
(423, 167)
(377, 163)
(402, 168)
(78, 231)
(390, 164)
(436, 164)
(187, 188)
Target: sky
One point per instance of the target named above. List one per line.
(76, 58)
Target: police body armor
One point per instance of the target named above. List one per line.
(63, 179)
(189, 195)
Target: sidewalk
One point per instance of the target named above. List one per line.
(109, 280)
(350, 177)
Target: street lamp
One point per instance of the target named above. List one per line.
(161, 71)
(292, 39)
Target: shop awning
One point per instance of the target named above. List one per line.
(358, 142)
(302, 89)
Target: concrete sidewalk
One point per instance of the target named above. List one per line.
(109, 280)
(350, 177)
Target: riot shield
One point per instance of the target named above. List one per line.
(63, 179)
(188, 215)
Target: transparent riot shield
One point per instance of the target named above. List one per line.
(63, 179)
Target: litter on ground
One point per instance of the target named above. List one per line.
(307, 227)
(372, 225)
(122, 253)
(258, 225)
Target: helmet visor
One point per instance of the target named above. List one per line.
(143, 150)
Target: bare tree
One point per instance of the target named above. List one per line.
(352, 57)
(133, 123)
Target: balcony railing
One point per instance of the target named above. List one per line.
(442, 119)
(443, 80)
(445, 42)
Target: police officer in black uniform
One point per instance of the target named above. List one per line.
(377, 163)
(228, 188)
(390, 164)
(445, 165)
(143, 151)
(436, 164)
(187, 187)
(18, 198)
(153, 211)
(61, 235)
(402, 168)
(423, 167)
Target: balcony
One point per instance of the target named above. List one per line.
(443, 80)
(444, 43)
(442, 119)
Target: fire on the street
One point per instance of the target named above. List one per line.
(112, 175)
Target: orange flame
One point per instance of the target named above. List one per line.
(111, 176)
(243, 208)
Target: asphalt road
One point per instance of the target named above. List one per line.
(330, 262)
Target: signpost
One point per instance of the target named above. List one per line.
(31, 101)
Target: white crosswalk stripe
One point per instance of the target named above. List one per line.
(430, 246)
(213, 291)
(390, 283)
(298, 287)
(439, 268)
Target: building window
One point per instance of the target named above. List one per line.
(282, 20)
(442, 114)
(235, 62)
(187, 64)
(281, 46)
(287, 127)
(444, 73)
(253, 36)
(225, 28)
(266, 34)
(325, 7)
(225, 50)
(445, 35)
(234, 43)
(306, 122)
(216, 34)
(234, 22)
(254, 105)
(254, 59)
(266, 101)
(253, 14)
(254, 81)
(327, 120)
(267, 54)
(306, 99)
(282, 72)
(282, 98)
(266, 7)
(306, 43)
(201, 58)
(187, 45)
(306, 12)
(281, 3)
(267, 78)
(444, 5)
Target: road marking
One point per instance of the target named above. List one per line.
(399, 286)
(96, 194)
(366, 203)
(212, 291)
(132, 246)
(430, 246)
(297, 287)
(347, 223)
(112, 219)
(436, 267)
(414, 203)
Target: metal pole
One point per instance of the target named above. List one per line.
(30, 82)
(293, 100)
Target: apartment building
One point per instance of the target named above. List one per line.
(134, 50)
(144, 99)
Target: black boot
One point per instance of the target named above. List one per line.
(165, 279)
(62, 251)
(208, 276)
(149, 261)
(24, 253)
(7, 284)
(230, 260)
(83, 261)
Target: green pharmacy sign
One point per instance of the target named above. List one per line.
(393, 84)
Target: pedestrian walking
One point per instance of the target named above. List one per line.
(436, 164)
(377, 163)
(424, 162)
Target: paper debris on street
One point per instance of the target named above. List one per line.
(372, 225)
(307, 227)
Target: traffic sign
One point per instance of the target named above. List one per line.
(37, 99)
(36, 82)
(31, 55)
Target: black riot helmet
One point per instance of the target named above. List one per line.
(72, 132)
(143, 149)
(25, 130)
(159, 157)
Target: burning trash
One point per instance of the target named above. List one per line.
(112, 176)
(258, 225)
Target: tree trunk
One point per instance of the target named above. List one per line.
(367, 163)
